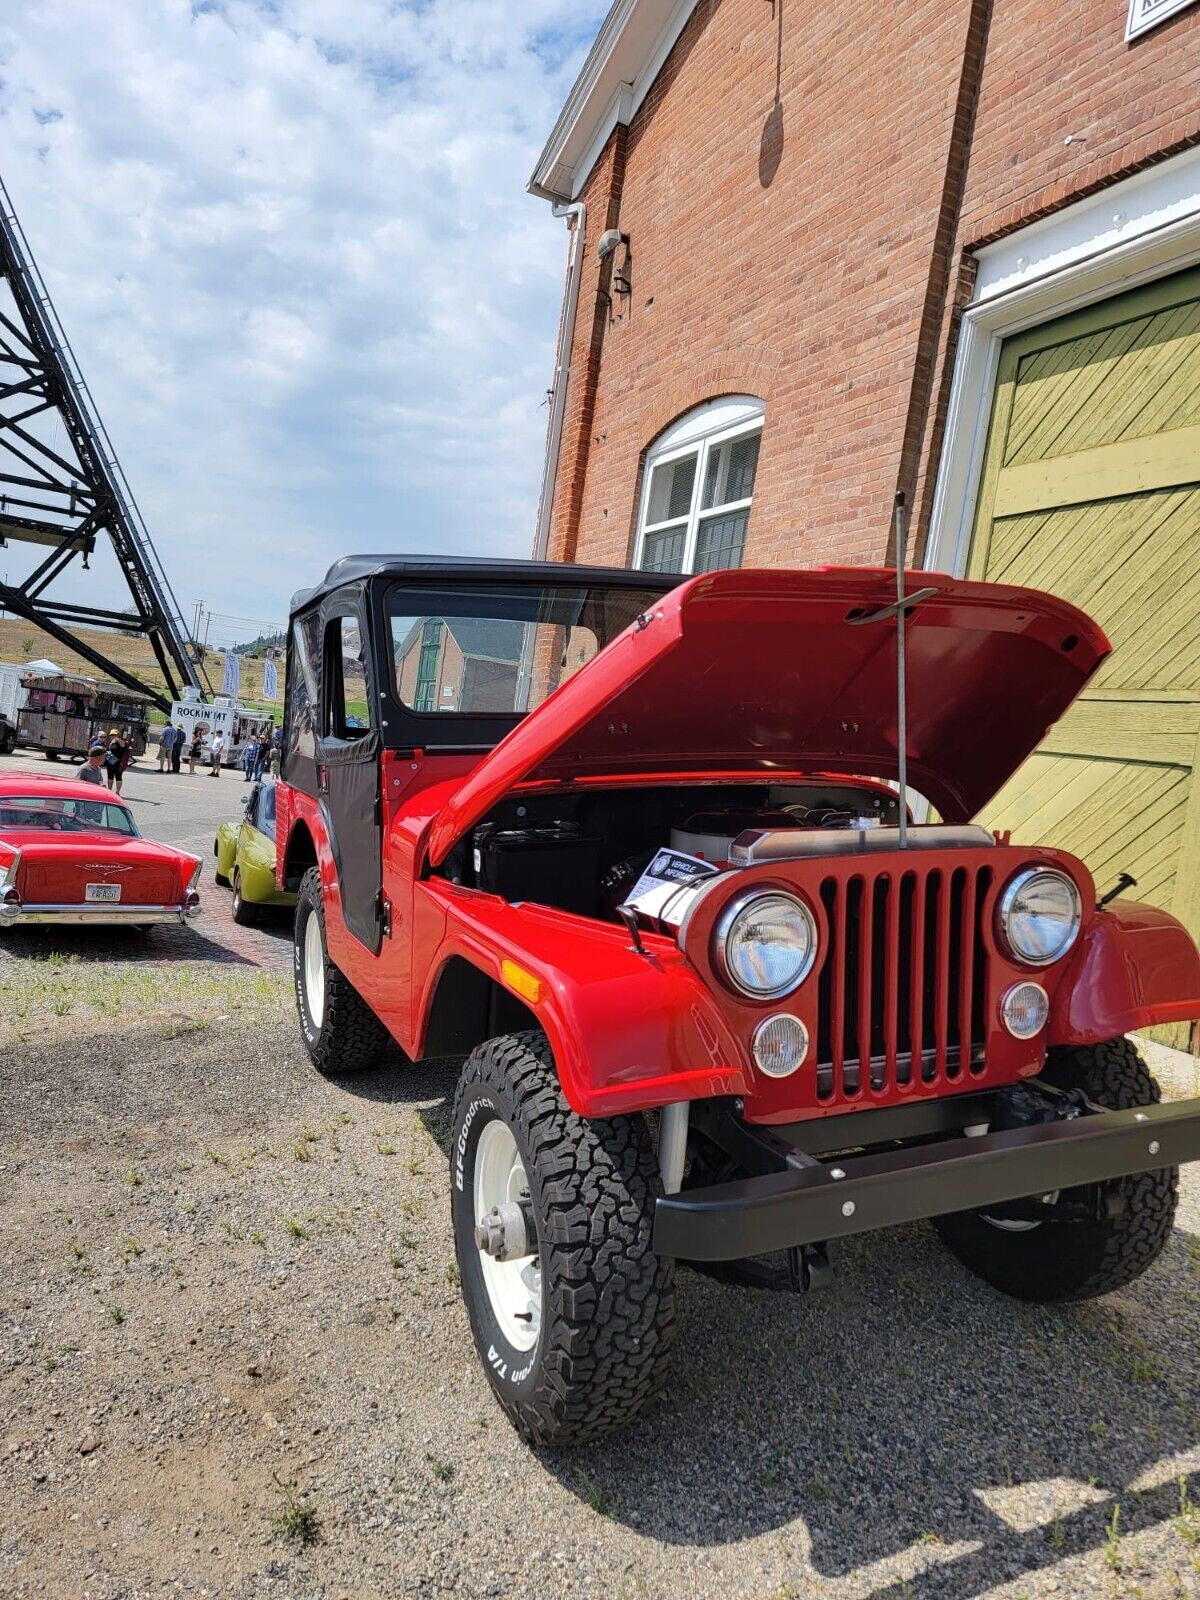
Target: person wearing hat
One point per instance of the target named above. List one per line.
(116, 758)
(92, 770)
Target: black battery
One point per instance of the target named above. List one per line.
(551, 863)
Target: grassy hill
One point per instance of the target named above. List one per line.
(20, 641)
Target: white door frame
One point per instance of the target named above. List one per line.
(1142, 228)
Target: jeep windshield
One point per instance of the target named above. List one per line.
(500, 649)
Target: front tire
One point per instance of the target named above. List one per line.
(341, 1033)
(575, 1336)
(244, 914)
(1078, 1260)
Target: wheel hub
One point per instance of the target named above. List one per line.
(506, 1236)
(506, 1232)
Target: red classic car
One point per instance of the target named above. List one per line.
(71, 852)
(638, 848)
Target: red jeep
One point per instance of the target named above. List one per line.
(633, 846)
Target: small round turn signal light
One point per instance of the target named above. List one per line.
(780, 1045)
(1025, 1009)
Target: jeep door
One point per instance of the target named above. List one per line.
(348, 766)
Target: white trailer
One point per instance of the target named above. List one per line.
(238, 723)
(12, 691)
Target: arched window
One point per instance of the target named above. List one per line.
(697, 487)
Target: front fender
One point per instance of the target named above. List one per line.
(628, 1031)
(256, 863)
(226, 848)
(1134, 967)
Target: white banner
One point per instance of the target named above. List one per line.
(270, 681)
(233, 674)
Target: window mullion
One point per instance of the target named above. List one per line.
(689, 543)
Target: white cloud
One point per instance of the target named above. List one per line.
(291, 246)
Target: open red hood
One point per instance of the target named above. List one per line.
(763, 669)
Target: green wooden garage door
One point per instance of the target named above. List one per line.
(1091, 489)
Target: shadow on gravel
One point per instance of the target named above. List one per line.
(165, 943)
(398, 1081)
(908, 1405)
(911, 1405)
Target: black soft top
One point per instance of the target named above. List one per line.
(462, 569)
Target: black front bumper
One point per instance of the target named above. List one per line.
(814, 1200)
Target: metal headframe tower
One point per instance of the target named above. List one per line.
(62, 487)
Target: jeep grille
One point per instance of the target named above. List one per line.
(902, 987)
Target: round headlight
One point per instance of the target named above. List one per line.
(765, 944)
(1040, 912)
(780, 1045)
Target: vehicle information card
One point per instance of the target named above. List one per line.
(668, 885)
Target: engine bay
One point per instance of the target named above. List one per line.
(584, 850)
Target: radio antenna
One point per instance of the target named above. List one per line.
(899, 608)
(901, 687)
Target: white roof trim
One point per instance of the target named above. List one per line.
(634, 41)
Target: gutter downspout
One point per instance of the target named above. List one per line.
(562, 373)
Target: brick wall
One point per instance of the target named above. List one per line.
(801, 187)
(1050, 75)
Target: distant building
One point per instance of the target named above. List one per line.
(950, 249)
(443, 664)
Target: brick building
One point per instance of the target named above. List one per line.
(818, 254)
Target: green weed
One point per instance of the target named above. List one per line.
(296, 1520)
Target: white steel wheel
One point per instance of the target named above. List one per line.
(314, 970)
(514, 1288)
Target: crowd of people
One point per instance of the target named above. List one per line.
(107, 759)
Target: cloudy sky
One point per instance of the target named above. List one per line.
(291, 245)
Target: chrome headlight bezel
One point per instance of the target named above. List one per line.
(727, 925)
(1005, 914)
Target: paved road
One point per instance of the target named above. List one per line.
(182, 810)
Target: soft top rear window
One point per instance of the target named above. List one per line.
(500, 649)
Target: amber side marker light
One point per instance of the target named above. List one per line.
(521, 982)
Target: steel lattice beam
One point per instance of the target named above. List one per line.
(68, 505)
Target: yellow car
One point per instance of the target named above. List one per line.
(245, 853)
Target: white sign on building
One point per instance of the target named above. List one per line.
(1147, 14)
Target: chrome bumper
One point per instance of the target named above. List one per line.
(100, 915)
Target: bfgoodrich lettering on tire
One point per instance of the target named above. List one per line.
(574, 1330)
(341, 1033)
(1078, 1260)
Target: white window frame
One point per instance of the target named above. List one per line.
(698, 433)
(1143, 228)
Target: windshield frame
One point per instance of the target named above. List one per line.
(641, 595)
(371, 597)
(471, 732)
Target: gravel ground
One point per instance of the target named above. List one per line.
(228, 1322)
(228, 1293)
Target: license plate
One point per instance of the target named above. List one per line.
(102, 891)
